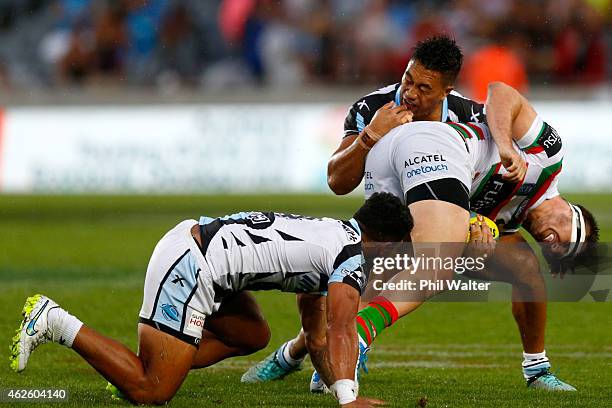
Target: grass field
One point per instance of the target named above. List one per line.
(90, 254)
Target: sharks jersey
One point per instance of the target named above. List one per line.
(291, 253)
(455, 108)
(186, 282)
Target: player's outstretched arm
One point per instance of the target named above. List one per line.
(342, 306)
(346, 166)
(509, 116)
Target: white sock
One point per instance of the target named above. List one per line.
(284, 358)
(64, 326)
(534, 363)
(287, 356)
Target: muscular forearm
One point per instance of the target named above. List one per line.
(503, 105)
(320, 361)
(342, 346)
(345, 168)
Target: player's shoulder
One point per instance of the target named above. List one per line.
(374, 100)
(464, 109)
(362, 111)
(340, 234)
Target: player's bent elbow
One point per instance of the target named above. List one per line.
(336, 185)
(498, 85)
(501, 88)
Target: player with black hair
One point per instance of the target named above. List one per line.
(197, 311)
(426, 94)
(385, 219)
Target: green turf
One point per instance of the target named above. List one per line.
(90, 253)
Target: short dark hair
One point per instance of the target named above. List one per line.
(385, 218)
(442, 54)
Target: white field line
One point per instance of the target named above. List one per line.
(245, 364)
(482, 353)
(478, 346)
(434, 358)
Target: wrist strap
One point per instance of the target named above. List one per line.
(344, 391)
(373, 135)
(362, 143)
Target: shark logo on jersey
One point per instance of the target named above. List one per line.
(170, 312)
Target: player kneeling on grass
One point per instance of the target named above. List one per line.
(196, 311)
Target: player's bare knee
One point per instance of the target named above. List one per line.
(259, 338)
(147, 393)
(528, 275)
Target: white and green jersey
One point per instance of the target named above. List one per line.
(421, 152)
(505, 202)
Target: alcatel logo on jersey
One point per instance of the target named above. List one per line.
(426, 169)
(429, 158)
(196, 321)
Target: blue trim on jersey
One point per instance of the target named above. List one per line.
(176, 291)
(237, 216)
(444, 110)
(360, 122)
(398, 99)
(355, 224)
(206, 220)
(351, 264)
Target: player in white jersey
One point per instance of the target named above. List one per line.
(194, 308)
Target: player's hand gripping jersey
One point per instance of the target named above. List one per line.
(455, 108)
(245, 251)
(417, 156)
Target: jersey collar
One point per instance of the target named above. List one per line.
(444, 117)
(355, 225)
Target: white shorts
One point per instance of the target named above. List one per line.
(417, 153)
(178, 290)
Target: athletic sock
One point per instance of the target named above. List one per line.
(284, 357)
(534, 363)
(64, 326)
(373, 319)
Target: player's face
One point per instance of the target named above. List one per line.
(553, 228)
(423, 91)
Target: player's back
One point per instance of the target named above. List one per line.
(260, 251)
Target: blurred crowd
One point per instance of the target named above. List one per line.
(219, 44)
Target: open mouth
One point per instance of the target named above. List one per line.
(409, 106)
